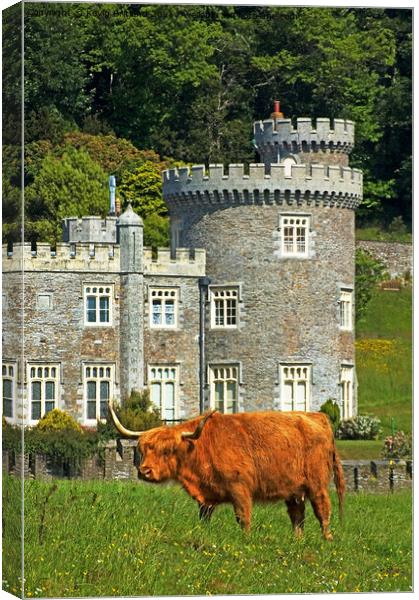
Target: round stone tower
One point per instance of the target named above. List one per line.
(281, 258)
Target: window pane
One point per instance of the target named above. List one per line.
(103, 410)
(36, 411)
(170, 312)
(104, 309)
(157, 312)
(156, 394)
(104, 390)
(7, 407)
(49, 406)
(36, 390)
(91, 309)
(91, 409)
(219, 312)
(231, 311)
(7, 398)
(4, 370)
(169, 401)
(219, 396)
(91, 390)
(231, 396)
(301, 396)
(288, 396)
(7, 388)
(49, 390)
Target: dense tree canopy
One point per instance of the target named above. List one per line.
(123, 85)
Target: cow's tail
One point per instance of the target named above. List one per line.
(339, 479)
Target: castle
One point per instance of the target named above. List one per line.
(251, 308)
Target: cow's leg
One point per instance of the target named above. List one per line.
(296, 510)
(205, 511)
(242, 504)
(322, 509)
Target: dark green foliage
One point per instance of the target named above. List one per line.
(368, 272)
(138, 413)
(188, 81)
(331, 409)
(59, 444)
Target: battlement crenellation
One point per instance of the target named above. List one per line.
(185, 261)
(338, 134)
(65, 256)
(235, 185)
(83, 256)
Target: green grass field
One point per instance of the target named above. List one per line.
(384, 359)
(121, 538)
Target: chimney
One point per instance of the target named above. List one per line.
(277, 114)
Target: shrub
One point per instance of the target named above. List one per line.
(67, 444)
(362, 427)
(398, 445)
(138, 412)
(58, 420)
(331, 409)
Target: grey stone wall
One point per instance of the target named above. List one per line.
(397, 257)
(177, 346)
(289, 306)
(59, 334)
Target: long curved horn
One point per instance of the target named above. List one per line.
(125, 432)
(194, 435)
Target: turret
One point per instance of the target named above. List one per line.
(323, 141)
(280, 243)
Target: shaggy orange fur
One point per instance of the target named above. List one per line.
(249, 457)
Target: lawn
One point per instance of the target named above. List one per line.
(122, 538)
(384, 359)
(360, 449)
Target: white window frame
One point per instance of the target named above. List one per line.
(97, 372)
(170, 375)
(164, 294)
(9, 373)
(43, 373)
(294, 222)
(224, 295)
(295, 373)
(88, 292)
(345, 309)
(346, 391)
(224, 374)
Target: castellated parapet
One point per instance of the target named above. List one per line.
(99, 258)
(329, 185)
(338, 135)
(280, 239)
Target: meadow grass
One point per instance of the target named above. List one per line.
(360, 449)
(384, 359)
(125, 538)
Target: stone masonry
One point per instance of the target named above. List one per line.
(277, 244)
(289, 304)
